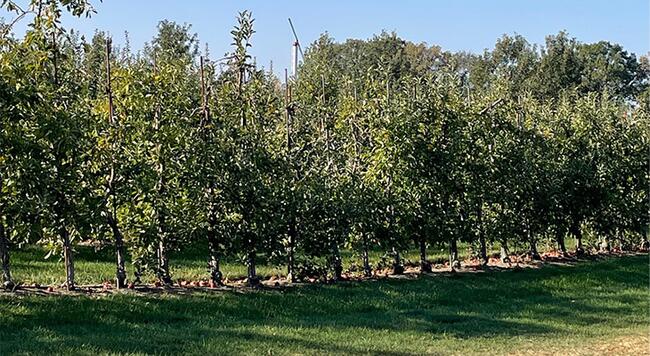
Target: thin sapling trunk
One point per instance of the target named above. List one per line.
(162, 269)
(292, 232)
(505, 252)
(398, 267)
(7, 282)
(481, 238)
(559, 237)
(454, 261)
(163, 261)
(4, 252)
(253, 280)
(120, 274)
(67, 257)
(337, 262)
(534, 254)
(367, 272)
(577, 233)
(425, 266)
(214, 260)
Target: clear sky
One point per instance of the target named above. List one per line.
(470, 25)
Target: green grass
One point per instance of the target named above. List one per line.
(93, 267)
(555, 309)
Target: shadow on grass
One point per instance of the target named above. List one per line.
(336, 318)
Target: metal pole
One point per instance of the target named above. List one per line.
(294, 59)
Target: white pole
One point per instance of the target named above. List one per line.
(294, 59)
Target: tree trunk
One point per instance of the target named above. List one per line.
(559, 237)
(253, 281)
(161, 252)
(162, 270)
(291, 230)
(398, 268)
(291, 273)
(4, 258)
(482, 249)
(624, 244)
(605, 245)
(138, 273)
(481, 238)
(425, 266)
(454, 262)
(68, 258)
(366, 260)
(534, 254)
(120, 275)
(65, 240)
(577, 233)
(338, 265)
(505, 252)
(213, 246)
(214, 260)
(163, 262)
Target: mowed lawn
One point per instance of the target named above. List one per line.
(589, 308)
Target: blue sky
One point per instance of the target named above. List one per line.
(470, 25)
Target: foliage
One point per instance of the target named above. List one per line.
(377, 144)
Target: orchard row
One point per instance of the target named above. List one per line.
(374, 144)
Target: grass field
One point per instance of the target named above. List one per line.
(588, 308)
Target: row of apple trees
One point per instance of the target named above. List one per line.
(376, 145)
